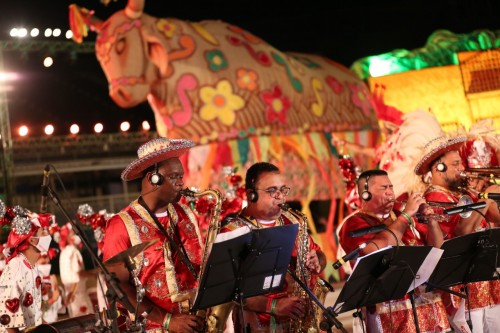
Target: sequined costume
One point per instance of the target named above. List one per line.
(20, 295)
(483, 296)
(265, 322)
(168, 282)
(397, 315)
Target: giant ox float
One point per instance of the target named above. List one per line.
(212, 81)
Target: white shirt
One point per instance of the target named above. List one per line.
(20, 295)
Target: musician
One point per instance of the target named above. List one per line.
(442, 160)
(168, 269)
(377, 201)
(72, 273)
(20, 283)
(274, 312)
(51, 295)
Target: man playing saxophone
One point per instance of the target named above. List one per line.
(278, 311)
(168, 269)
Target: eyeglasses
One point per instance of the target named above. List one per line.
(273, 191)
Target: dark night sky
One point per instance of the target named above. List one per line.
(76, 91)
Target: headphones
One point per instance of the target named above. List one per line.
(156, 178)
(366, 195)
(441, 167)
(252, 195)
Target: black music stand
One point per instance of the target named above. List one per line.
(468, 258)
(382, 276)
(248, 265)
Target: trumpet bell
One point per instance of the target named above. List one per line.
(465, 200)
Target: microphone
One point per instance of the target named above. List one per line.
(464, 208)
(45, 189)
(487, 195)
(351, 255)
(366, 231)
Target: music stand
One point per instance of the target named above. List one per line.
(468, 258)
(382, 276)
(250, 264)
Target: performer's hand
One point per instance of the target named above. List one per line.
(413, 203)
(312, 262)
(184, 323)
(290, 307)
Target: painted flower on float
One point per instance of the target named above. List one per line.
(246, 79)
(168, 28)
(360, 98)
(216, 60)
(277, 104)
(220, 102)
(333, 83)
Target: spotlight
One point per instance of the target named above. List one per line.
(48, 32)
(34, 32)
(69, 34)
(49, 129)
(14, 32)
(145, 125)
(98, 128)
(125, 126)
(48, 61)
(56, 32)
(74, 129)
(23, 130)
(21, 33)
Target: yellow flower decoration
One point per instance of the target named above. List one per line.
(220, 102)
(168, 28)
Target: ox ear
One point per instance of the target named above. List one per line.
(156, 53)
(79, 19)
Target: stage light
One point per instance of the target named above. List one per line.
(23, 130)
(145, 125)
(49, 129)
(56, 32)
(6, 76)
(34, 32)
(125, 126)
(74, 129)
(22, 32)
(14, 32)
(98, 128)
(48, 32)
(69, 34)
(48, 61)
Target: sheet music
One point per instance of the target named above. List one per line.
(232, 234)
(427, 267)
(367, 255)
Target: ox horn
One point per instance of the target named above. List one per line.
(134, 8)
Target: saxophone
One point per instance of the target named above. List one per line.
(216, 318)
(309, 323)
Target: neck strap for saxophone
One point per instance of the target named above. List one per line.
(173, 244)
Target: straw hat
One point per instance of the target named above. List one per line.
(155, 151)
(435, 148)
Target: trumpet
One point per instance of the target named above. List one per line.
(490, 175)
(463, 200)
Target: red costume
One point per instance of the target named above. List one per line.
(397, 315)
(168, 282)
(265, 322)
(481, 294)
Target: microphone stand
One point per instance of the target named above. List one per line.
(114, 292)
(328, 313)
